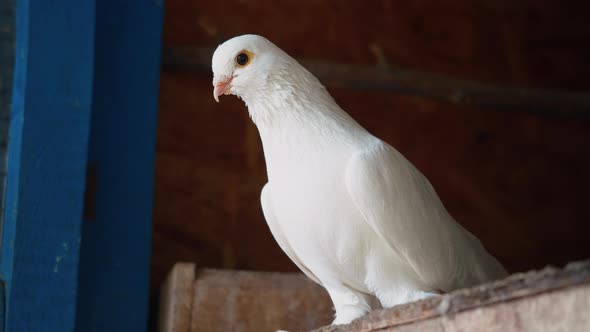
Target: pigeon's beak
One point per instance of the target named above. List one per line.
(221, 87)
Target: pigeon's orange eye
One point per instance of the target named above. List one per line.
(242, 59)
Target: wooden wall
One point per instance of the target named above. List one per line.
(518, 181)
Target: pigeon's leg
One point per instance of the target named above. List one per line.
(349, 304)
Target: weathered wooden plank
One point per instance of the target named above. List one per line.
(47, 153)
(240, 301)
(224, 300)
(176, 299)
(432, 314)
(563, 310)
(115, 252)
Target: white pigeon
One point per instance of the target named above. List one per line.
(350, 211)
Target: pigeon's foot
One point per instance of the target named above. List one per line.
(401, 296)
(347, 314)
(349, 304)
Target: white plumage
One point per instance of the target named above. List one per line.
(347, 208)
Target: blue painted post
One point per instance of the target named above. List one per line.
(115, 252)
(49, 128)
(7, 35)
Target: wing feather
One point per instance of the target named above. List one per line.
(402, 207)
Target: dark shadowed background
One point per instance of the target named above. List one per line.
(517, 180)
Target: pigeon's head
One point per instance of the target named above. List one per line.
(243, 64)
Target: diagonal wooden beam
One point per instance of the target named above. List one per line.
(410, 82)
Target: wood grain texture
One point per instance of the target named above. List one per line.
(562, 310)
(176, 299)
(547, 300)
(551, 299)
(243, 301)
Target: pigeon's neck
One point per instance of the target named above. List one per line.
(301, 126)
(295, 107)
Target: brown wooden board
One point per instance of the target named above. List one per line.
(531, 286)
(240, 301)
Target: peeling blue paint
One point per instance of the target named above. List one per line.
(56, 267)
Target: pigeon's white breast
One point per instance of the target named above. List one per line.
(319, 219)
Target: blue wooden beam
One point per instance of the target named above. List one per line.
(49, 129)
(7, 35)
(115, 252)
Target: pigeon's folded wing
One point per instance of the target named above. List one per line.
(401, 206)
(275, 229)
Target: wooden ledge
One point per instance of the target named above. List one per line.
(208, 300)
(223, 300)
(548, 299)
